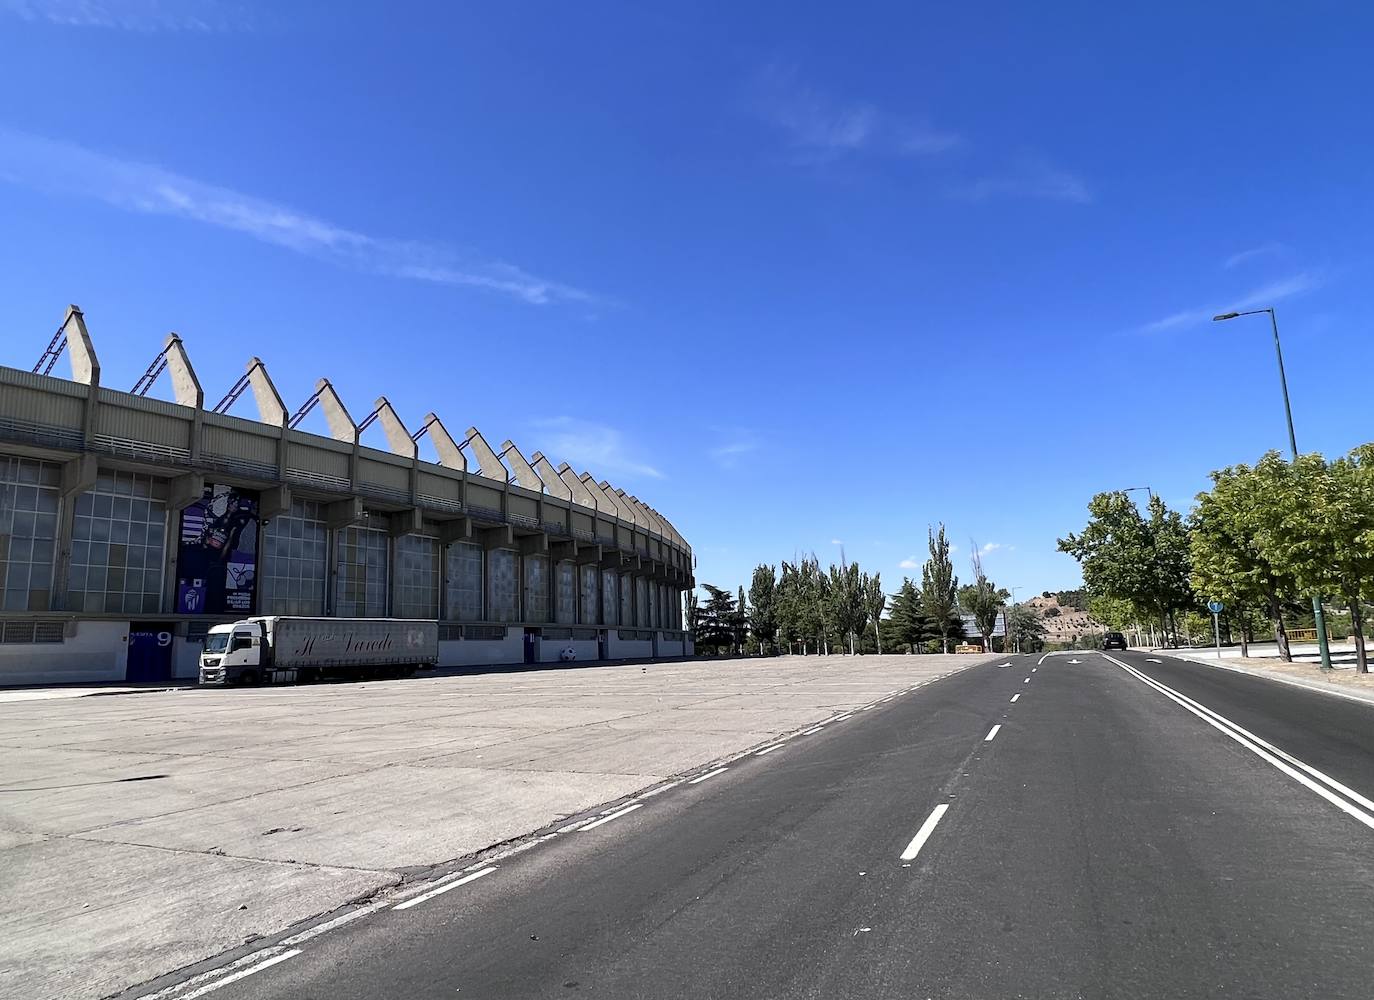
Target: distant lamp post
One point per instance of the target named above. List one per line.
(1293, 446)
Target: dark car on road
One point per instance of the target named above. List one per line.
(1113, 640)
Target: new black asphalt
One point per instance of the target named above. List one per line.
(1105, 843)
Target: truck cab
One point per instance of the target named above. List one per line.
(234, 654)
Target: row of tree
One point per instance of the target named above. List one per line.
(806, 608)
(1263, 540)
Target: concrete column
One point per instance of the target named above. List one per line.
(85, 367)
(271, 409)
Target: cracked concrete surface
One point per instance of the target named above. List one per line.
(140, 834)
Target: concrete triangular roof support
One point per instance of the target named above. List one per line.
(577, 487)
(487, 460)
(552, 481)
(524, 472)
(637, 515)
(450, 452)
(341, 425)
(185, 386)
(611, 501)
(271, 409)
(80, 350)
(398, 439)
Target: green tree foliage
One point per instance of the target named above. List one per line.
(907, 618)
(940, 587)
(874, 603)
(1233, 527)
(1325, 536)
(716, 620)
(763, 607)
(983, 600)
(1129, 557)
(845, 595)
(1026, 628)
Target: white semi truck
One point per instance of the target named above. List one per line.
(279, 650)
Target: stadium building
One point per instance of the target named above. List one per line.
(129, 525)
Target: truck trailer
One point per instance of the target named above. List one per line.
(276, 649)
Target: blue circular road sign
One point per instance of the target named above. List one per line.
(1215, 607)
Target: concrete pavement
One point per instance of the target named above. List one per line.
(146, 833)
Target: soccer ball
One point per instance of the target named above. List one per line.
(568, 655)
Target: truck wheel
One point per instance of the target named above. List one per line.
(249, 678)
(409, 671)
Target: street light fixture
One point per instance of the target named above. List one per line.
(1320, 619)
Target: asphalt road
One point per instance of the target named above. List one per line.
(1106, 842)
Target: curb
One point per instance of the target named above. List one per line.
(1365, 698)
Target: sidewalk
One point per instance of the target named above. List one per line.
(140, 835)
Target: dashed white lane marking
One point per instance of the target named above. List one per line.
(1014, 697)
(923, 834)
(1026, 681)
(1034, 669)
(440, 890)
(243, 973)
(1151, 659)
(709, 774)
(992, 733)
(615, 815)
(813, 729)
(1265, 750)
(658, 791)
(769, 749)
(337, 922)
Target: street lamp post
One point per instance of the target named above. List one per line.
(1320, 618)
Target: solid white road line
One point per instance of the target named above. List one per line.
(440, 890)
(1041, 660)
(615, 815)
(760, 753)
(923, 834)
(843, 717)
(709, 774)
(1014, 697)
(1265, 751)
(992, 733)
(813, 729)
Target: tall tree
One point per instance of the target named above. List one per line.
(983, 600)
(907, 617)
(1326, 527)
(1026, 629)
(939, 586)
(1127, 556)
(1229, 563)
(874, 603)
(763, 606)
(741, 620)
(716, 619)
(846, 602)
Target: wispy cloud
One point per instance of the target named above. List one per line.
(836, 541)
(1266, 295)
(133, 15)
(991, 547)
(1263, 250)
(819, 127)
(910, 562)
(1030, 176)
(60, 168)
(597, 448)
(736, 444)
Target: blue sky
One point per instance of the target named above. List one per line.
(803, 277)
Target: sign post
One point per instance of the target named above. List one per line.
(1216, 608)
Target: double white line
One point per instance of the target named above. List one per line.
(1349, 801)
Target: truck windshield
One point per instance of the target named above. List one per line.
(216, 642)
